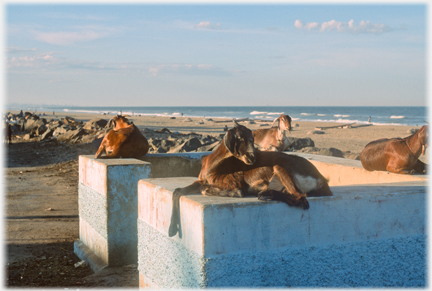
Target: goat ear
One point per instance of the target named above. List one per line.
(229, 141)
(277, 121)
(111, 122)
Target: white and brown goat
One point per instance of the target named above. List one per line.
(123, 141)
(237, 169)
(397, 155)
(274, 138)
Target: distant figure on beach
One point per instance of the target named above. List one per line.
(182, 114)
(53, 113)
(226, 128)
(369, 119)
(21, 114)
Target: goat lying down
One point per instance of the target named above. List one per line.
(274, 138)
(237, 169)
(396, 155)
(123, 141)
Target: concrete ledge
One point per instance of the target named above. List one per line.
(365, 233)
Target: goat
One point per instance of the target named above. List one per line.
(237, 169)
(397, 155)
(274, 138)
(124, 140)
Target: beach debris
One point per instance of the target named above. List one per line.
(80, 264)
(335, 126)
(49, 209)
(315, 132)
(299, 143)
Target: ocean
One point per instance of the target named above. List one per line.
(411, 116)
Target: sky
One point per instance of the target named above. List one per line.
(283, 54)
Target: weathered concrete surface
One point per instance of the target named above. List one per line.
(175, 165)
(108, 208)
(362, 236)
(339, 171)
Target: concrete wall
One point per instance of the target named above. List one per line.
(108, 197)
(107, 203)
(364, 236)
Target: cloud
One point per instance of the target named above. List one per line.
(207, 25)
(350, 27)
(16, 50)
(187, 69)
(68, 38)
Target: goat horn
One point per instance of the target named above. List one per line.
(235, 123)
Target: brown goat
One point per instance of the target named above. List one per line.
(274, 138)
(123, 141)
(237, 169)
(397, 155)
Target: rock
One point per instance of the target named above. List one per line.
(352, 156)
(96, 123)
(192, 144)
(299, 143)
(47, 134)
(315, 132)
(27, 136)
(412, 130)
(208, 147)
(41, 129)
(163, 130)
(60, 130)
(331, 152)
(187, 120)
(264, 124)
(172, 117)
(296, 125)
(54, 124)
(32, 124)
(166, 144)
(68, 120)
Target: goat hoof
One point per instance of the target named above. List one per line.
(302, 202)
(172, 231)
(265, 196)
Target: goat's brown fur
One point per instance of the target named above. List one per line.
(397, 155)
(274, 138)
(123, 141)
(237, 169)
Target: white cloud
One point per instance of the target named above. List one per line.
(339, 26)
(68, 38)
(207, 25)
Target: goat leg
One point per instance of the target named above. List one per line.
(100, 150)
(193, 188)
(291, 200)
(420, 167)
(214, 190)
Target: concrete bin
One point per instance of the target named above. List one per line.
(371, 235)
